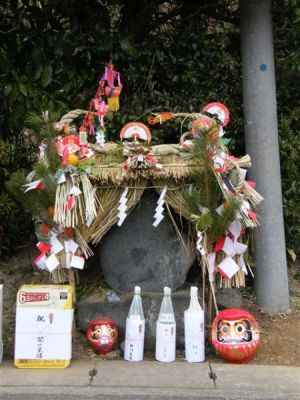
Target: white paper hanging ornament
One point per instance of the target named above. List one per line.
(122, 207)
(100, 137)
(158, 216)
(199, 245)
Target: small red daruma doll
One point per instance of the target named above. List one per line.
(235, 335)
(102, 335)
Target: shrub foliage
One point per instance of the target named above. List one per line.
(174, 55)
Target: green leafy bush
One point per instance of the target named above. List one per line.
(175, 55)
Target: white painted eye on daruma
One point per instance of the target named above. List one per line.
(224, 329)
(239, 329)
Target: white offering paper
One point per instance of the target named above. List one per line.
(229, 267)
(134, 339)
(77, 262)
(56, 246)
(165, 342)
(52, 262)
(194, 336)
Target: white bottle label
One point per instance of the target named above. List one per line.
(165, 317)
(165, 341)
(194, 336)
(134, 339)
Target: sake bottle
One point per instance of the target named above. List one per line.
(166, 330)
(194, 329)
(135, 329)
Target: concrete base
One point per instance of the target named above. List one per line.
(116, 380)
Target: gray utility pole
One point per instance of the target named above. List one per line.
(261, 131)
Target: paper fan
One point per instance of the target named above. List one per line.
(220, 110)
(134, 131)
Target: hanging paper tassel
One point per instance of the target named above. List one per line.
(113, 103)
(111, 91)
(101, 111)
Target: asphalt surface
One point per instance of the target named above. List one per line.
(116, 380)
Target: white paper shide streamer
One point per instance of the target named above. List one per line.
(122, 207)
(100, 138)
(158, 216)
(199, 245)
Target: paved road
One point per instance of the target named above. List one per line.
(116, 380)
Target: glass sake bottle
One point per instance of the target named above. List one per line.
(166, 330)
(194, 329)
(135, 329)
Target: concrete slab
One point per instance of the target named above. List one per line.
(150, 380)
(72, 376)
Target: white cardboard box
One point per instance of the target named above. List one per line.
(43, 335)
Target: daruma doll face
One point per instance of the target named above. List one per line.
(102, 335)
(235, 335)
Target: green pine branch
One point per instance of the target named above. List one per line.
(206, 194)
(35, 201)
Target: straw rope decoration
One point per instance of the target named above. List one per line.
(87, 201)
(111, 177)
(107, 214)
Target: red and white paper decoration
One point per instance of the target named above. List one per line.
(47, 259)
(218, 109)
(229, 245)
(39, 184)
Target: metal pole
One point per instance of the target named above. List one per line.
(1, 319)
(261, 134)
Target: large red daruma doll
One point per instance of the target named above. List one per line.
(102, 335)
(235, 335)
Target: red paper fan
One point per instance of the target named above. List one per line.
(220, 110)
(134, 131)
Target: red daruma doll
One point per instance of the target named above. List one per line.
(235, 335)
(102, 335)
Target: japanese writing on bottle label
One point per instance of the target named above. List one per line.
(134, 339)
(165, 341)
